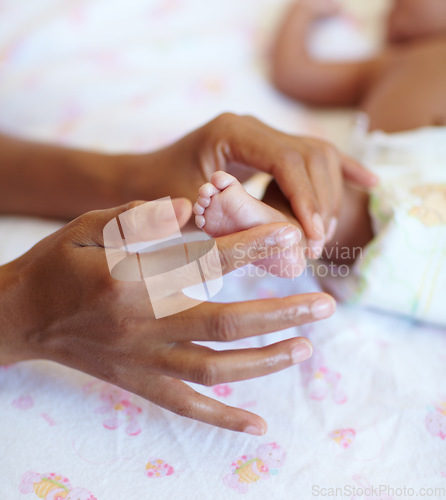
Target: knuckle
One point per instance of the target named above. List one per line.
(326, 152)
(330, 150)
(321, 147)
(293, 314)
(206, 373)
(218, 128)
(250, 118)
(225, 326)
(184, 411)
(133, 204)
(318, 157)
(226, 119)
(123, 325)
(81, 227)
(290, 157)
(226, 260)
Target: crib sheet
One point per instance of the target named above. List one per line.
(365, 415)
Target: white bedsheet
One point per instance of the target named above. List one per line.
(368, 410)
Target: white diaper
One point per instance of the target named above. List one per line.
(403, 269)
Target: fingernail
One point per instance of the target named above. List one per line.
(301, 352)
(332, 228)
(254, 430)
(323, 308)
(316, 247)
(288, 236)
(318, 225)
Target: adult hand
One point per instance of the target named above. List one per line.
(59, 302)
(308, 171)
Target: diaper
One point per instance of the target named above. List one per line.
(403, 269)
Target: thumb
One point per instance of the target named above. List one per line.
(134, 222)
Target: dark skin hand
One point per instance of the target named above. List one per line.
(71, 182)
(354, 229)
(60, 303)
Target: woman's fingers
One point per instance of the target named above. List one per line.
(134, 222)
(242, 248)
(288, 159)
(289, 165)
(296, 184)
(321, 178)
(202, 365)
(331, 188)
(227, 322)
(181, 399)
(356, 173)
(306, 169)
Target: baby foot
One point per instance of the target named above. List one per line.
(224, 207)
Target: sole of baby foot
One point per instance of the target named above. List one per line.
(224, 207)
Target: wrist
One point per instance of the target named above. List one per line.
(166, 172)
(15, 326)
(126, 167)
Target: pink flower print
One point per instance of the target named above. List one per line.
(120, 410)
(249, 469)
(156, 468)
(48, 418)
(24, 402)
(343, 437)
(320, 380)
(436, 420)
(222, 390)
(52, 486)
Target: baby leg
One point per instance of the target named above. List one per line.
(224, 207)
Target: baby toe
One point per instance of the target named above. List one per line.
(222, 180)
(207, 190)
(198, 209)
(204, 202)
(200, 221)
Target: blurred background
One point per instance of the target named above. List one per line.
(137, 74)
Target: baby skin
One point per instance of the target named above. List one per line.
(224, 207)
(401, 88)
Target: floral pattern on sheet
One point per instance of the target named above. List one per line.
(117, 407)
(91, 73)
(320, 380)
(222, 390)
(248, 469)
(436, 420)
(23, 402)
(52, 486)
(157, 468)
(343, 437)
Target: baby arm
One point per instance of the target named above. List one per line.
(295, 73)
